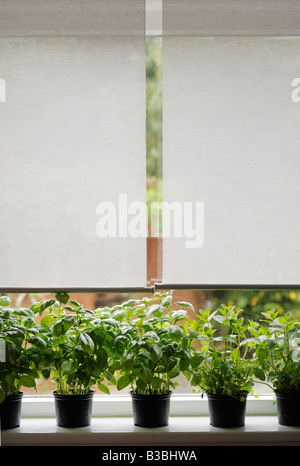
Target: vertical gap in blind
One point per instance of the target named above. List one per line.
(154, 157)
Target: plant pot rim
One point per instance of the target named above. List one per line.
(287, 394)
(150, 396)
(69, 396)
(15, 396)
(235, 397)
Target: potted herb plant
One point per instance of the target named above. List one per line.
(278, 354)
(18, 364)
(155, 351)
(78, 358)
(223, 367)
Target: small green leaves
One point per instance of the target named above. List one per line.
(86, 343)
(5, 301)
(126, 361)
(123, 382)
(69, 367)
(57, 328)
(63, 298)
(156, 353)
(178, 315)
(145, 344)
(42, 306)
(196, 360)
(175, 332)
(27, 381)
(12, 353)
(185, 304)
(146, 374)
(102, 359)
(259, 373)
(151, 335)
(103, 388)
(38, 341)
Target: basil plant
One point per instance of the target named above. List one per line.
(154, 343)
(278, 352)
(75, 345)
(224, 363)
(19, 356)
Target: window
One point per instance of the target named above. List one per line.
(204, 122)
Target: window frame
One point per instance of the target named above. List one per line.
(119, 405)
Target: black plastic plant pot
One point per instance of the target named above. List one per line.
(10, 411)
(288, 409)
(73, 410)
(151, 410)
(226, 411)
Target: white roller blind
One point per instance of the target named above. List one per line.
(72, 136)
(232, 140)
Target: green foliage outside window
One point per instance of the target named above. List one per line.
(254, 302)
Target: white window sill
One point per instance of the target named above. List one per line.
(183, 431)
(112, 424)
(121, 405)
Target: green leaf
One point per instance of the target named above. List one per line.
(110, 321)
(103, 388)
(86, 342)
(152, 336)
(75, 304)
(57, 328)
(5, 301)
(178, 315)
(97, 336)
(262, 354)
(235, 354)
(123, 382)
(146, 374)
(156, 310)
(219, 318)
(174, 372)
(46, 363)
(48, 320)
(45, 305)
(259, 373)
(12, 354)
(156, 383)
(68, 322)
(69, 367)
(120, 315)
(156, 353)
(63, 298)
(166, 301)
(27, 381)
(175, 332)
(196, 360)
(38, 342)
(102, 358)
(184, 362)
(185, 304)
(141, 385)
(126, 361)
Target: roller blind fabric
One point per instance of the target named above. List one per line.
(231, 140)
(72, 137)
